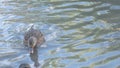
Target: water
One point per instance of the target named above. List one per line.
(79, 34)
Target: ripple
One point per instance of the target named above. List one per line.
(99, 24)
(103, 12)
(115, 7)
(103, 5)
(77, 33)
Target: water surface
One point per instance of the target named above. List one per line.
(79, 34)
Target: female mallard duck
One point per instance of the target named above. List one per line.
(33, 38)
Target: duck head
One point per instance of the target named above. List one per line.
(32, 42)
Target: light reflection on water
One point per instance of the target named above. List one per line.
(78, 33)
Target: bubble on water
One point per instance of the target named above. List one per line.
(102, 12)
(58, 49)
(48, 9)
(44, 45)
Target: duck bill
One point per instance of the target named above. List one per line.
(31, 50)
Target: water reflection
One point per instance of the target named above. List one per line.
(34, 57)
(25, 65)
(78, 34)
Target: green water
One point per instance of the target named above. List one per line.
(78, 33)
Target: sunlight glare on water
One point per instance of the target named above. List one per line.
(78, 34)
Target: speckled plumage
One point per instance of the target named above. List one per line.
(34, 33)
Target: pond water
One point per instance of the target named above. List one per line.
(78, 34)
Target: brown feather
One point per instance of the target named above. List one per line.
(36, 33)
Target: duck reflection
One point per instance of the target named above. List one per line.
(34, 57)
(24, 65)
(33, 38)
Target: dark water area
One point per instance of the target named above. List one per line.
(78, 34)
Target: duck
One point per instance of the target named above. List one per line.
(33, 38)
